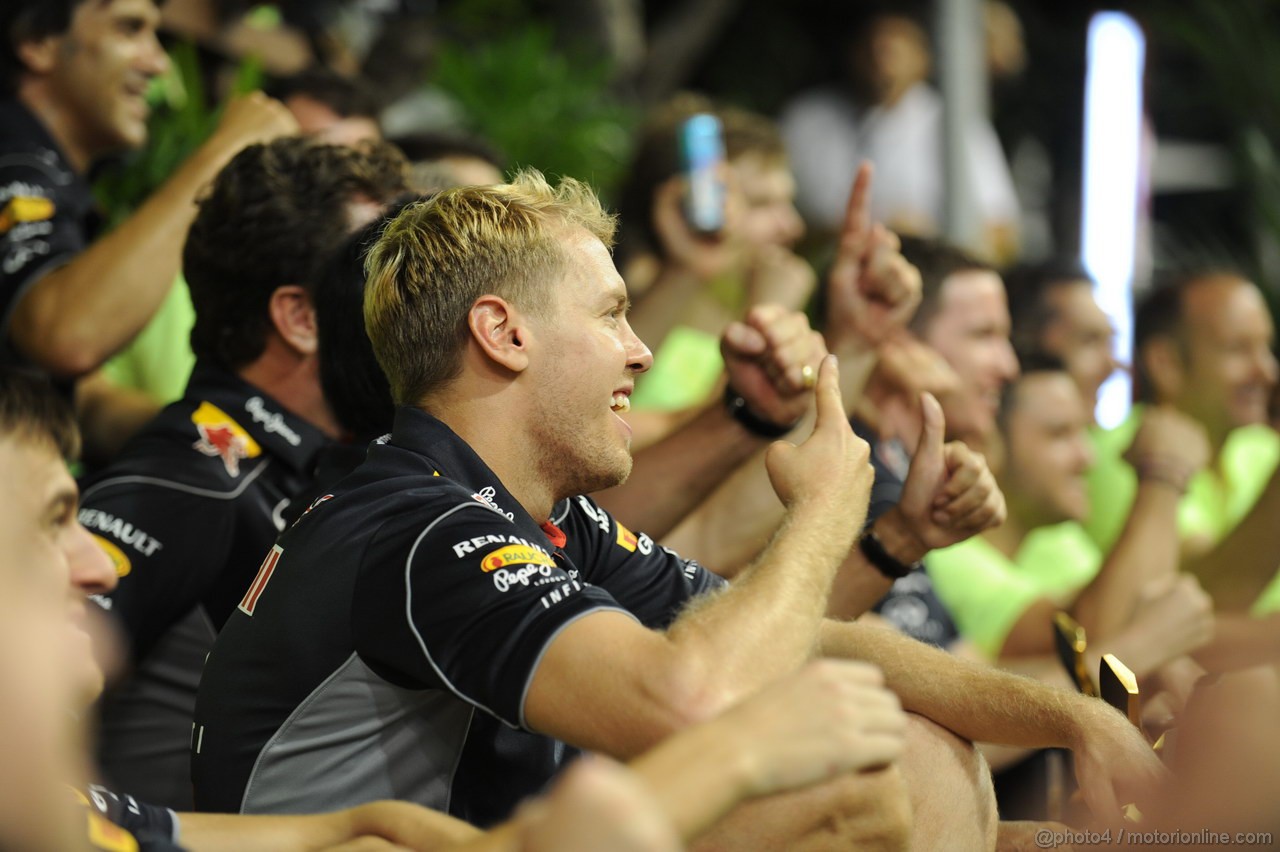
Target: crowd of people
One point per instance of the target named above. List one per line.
(442, 525)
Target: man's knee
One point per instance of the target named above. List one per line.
(952, 801)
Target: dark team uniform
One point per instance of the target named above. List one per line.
(117, 823)
(186, 513)
(911, 604)
(386, 646)
(46, 211)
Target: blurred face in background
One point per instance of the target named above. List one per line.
(1047, 450)
(1081, 335)
(1228, 370)
(890, 58)
(769, 193)
(98, 73)
(970, 329)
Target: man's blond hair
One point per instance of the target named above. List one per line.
(438, 256)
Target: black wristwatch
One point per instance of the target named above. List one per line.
(872, 548)
(752, 422)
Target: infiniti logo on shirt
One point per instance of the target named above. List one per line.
(272, 421)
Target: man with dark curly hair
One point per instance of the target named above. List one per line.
(190, 506)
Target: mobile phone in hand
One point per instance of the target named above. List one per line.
(701, 157)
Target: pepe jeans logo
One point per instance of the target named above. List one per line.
(272, 421)
(485, 496)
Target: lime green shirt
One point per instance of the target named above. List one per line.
(159, 360)
(1216, 499)
(986, 592)
(685, 371)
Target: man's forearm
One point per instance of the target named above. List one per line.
(860, 585)
(767, 622)
(1146, 550)
(695, 779)
(975, 701)
(109, 415)
(409, 825)
(1241, 641)
(1239, 568)
(77, 316)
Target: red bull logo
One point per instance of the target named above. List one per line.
(222, 437)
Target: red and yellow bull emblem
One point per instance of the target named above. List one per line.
(626, 538)
(223, 437)
(24, 208)
(514, 554)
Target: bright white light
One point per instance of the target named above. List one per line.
(1112, 141)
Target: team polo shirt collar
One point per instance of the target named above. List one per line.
(288, 438)
(452, 457)
(23, 124)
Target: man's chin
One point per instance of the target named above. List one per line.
(125, 136)
(605, 480)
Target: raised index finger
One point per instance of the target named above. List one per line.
(856, 230)
(830, 404)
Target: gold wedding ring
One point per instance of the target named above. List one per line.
(808, 377)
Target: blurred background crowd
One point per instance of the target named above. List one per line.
(1061, 220)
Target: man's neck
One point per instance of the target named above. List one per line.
(60, 123)
(479, 420)
(296, 386)
(1217, 434)
(1008, 537)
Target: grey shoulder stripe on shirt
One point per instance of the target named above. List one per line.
(408, 605)
(179, 486)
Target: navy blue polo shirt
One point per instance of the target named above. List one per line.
(386, 647)
(47, 212)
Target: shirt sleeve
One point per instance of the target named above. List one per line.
(651, 582)
(467, 602)
(36, 233)
(145, 822)
(169, 547)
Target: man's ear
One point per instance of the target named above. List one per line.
(1162, 362)
(501, 332)
(39, 56)
(294, 318)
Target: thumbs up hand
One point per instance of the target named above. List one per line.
(950, 493)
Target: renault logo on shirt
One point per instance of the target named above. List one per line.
(121, 530)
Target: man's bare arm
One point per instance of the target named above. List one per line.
(610, 685)
(1167, 450)
(408, 825)
(75, 317)
(1113, 762)
(1237, 570)
(1241, 642)
(826, 720)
